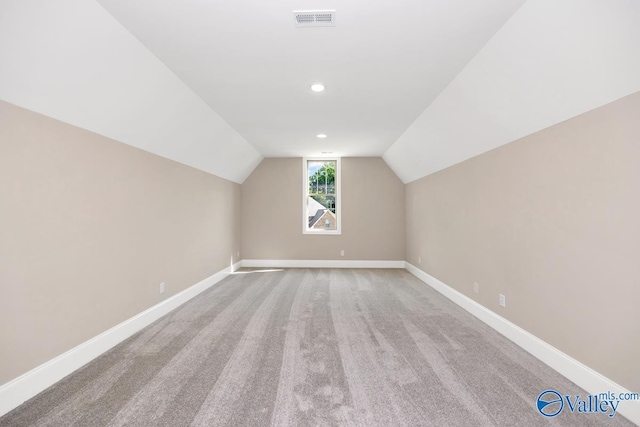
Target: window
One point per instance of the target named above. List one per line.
(321, 196)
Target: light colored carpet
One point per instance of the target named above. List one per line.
(302, 347)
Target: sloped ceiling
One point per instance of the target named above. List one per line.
(217, 85)
(383, 63)
(72, 61)
(552, 60)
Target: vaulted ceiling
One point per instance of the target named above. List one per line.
(382, 64)
(219, 84)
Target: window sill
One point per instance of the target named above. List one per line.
(322, 232)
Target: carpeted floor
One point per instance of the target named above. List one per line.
(304, 347)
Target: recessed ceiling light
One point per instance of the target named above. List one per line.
(317, 87)
(321, 135)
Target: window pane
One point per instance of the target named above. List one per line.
(321, 190)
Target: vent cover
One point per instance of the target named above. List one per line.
(315, 18)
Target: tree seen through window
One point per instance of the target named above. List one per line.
(321, 188)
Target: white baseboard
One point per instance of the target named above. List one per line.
(26, 386)
(583, 376)
(21, 389)
(299, 263)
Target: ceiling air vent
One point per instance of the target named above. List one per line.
(315, 18)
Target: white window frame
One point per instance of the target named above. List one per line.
(305, 195)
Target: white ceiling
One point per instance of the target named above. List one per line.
(219, 84)
(383, 63)
(72, 61)
(552, 60)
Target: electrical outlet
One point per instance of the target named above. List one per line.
(502, 300)
(238, 254)
(419, 260)
(342, 252)
(476, 287)
(162, 288)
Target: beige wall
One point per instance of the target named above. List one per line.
(372, 210)
(553, 222)
(89, 228)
